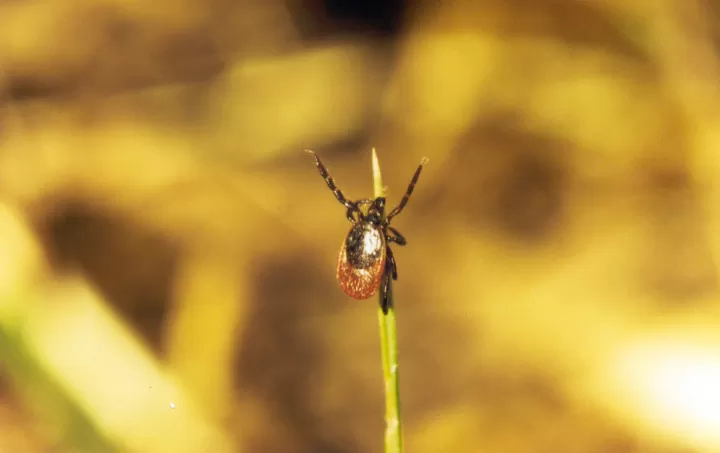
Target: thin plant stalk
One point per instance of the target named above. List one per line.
(388, 344)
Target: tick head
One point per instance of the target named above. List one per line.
(376, 211)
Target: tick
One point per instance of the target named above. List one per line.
(366, 262)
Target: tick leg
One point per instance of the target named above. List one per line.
(390, 271)
(392, 267)
(385, 290)
(330, 182)
(409, 191)
(397, 238)
(354, 210)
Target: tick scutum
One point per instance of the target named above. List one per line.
(364, 245)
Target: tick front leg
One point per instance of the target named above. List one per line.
(330, 182)
(409, 192)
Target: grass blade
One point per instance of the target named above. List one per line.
(388, 344)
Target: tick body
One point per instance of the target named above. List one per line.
(366, 262)
(361, 263)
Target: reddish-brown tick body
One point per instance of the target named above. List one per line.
(361, 263)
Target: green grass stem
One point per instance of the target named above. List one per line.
(389, 347)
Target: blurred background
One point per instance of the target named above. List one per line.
(168, 252)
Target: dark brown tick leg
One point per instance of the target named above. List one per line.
(391, 263)
(329, 181)
(397, 238)
(409, 192)
(385, 290)
(350, 212)
(390, 270)
(356, 209)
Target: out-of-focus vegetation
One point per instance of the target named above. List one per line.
(167, 251)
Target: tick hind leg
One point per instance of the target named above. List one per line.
(385, 288)
(390, 272)
(391, 267)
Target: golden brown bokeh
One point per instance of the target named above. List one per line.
(167, 251)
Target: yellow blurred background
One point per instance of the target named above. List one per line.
(167, 251)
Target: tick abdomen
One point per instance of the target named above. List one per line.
(364, 245)
(361, 263)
